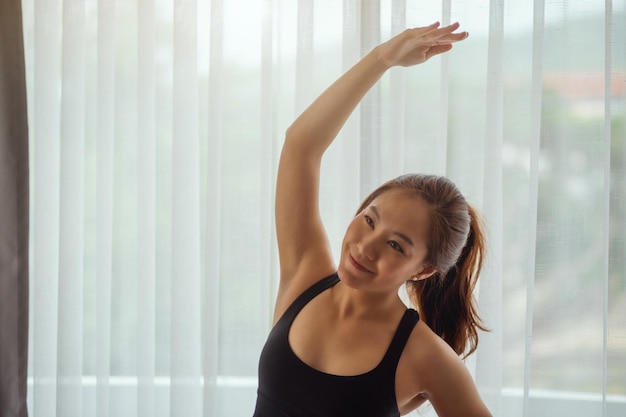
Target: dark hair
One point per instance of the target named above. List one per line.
(456, 247)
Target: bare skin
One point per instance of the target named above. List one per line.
(347, 329)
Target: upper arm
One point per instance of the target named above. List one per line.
(451, 389)
(302, 240)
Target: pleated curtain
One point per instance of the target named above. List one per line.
(14, 221)
(155, 129)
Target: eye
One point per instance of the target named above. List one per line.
(369, 221)
(396, 246)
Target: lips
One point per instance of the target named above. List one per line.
(358, 265)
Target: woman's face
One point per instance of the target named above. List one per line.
(385, 244)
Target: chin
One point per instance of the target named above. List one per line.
(346, 277)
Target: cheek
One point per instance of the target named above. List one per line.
(352, 231)
(347, 237)
(400, 266)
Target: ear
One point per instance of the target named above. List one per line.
(425, 271)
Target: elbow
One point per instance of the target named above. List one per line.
(301, 144)
(485, 413)
(298, 130)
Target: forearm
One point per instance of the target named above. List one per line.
(315, 129)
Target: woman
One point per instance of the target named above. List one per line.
(343, 343)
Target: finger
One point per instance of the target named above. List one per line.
(450, 38)
(448, 31)
(435, 29)
(421, 31)
(424, 30)
(451, 27)
(435, 34)
(438, 49)
(455, 37)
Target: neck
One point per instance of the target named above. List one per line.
(360, 304)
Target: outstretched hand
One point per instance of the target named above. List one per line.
(414, 46)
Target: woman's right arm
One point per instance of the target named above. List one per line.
(302, 241)
(303, 246)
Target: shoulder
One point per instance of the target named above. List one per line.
(434, 371)
(425, 352)
(291, 287)
(413, 367)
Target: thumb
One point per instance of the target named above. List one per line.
(438, 49)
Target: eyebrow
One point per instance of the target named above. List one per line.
(401, 235)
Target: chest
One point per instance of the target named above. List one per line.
(361, 365)
(338, 346)
(333, 346)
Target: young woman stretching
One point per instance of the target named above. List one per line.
(343, 343)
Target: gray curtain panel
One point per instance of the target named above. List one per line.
(13, 214)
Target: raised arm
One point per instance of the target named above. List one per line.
(303, 246)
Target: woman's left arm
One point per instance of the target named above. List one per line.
(450, 387)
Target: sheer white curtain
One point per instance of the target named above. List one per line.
(155, 131)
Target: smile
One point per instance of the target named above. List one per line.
(358, 265)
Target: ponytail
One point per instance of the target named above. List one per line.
(445, 300)
(456, 246)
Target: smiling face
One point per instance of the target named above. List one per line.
(385, 244)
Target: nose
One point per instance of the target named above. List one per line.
(367, 248)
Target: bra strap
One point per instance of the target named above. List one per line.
(309, 294)
(407, 323)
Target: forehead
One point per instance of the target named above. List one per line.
(403, 208)
(399, 195)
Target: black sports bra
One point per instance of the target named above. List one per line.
(288, 387)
